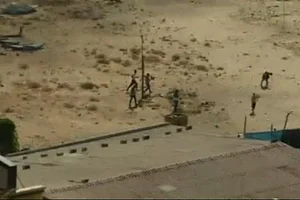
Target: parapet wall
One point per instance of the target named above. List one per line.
(89, 140)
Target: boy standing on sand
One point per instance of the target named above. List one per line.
(265, 78)
(175, 100)
(148, 79)
(133, 80)
(133, 96)
(254, 100)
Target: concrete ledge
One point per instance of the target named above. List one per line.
(35, 192)
(89, 140)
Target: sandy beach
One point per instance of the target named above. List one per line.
(214, 51)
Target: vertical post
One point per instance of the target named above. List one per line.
(283, 15)
(271, 132)
(143, 65)
(286, 119)
(272, 128)
(245, 125)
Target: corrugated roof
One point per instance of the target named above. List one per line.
(269, 171)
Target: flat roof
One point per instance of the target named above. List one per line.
(99, 163)
(270, 171)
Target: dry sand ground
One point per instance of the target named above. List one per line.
(222, 47)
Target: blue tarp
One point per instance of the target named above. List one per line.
(266, 136)
(290, 136)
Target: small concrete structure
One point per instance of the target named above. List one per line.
(177, 119)
(8, 183)
(8, 174)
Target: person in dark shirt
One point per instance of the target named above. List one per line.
(133, 96)
(148, 79)
(133, 80)
(175, 100)
(265, 78)
(254, 100)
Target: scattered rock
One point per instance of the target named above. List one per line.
(207, 44)
(158, 52)
(175, 57)
(88, 86)
(152, 59)
(116, 60)
(201, 68)
(92, 108)
(126, 63)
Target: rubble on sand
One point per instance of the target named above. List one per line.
(19, 9)
(17, 43)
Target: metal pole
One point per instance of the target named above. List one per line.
(283, 15)
(245, 125)
(143, 65)
(286, 119)
(272, 128)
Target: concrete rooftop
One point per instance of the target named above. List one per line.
(262, 172)
(100, 163)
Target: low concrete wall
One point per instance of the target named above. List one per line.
(89, 140)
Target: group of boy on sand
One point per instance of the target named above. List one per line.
(133, 89)
(264, 79)
(134, 85)
(264, 84)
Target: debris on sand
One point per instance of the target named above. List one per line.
(88, 86)
(26, 47)
(19, 9)
(190, 103)
(135, 53)
(112, 2)
(152, 59)
(16, 43)
(175, 57)
(158, 52)
(201, 68)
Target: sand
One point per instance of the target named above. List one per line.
(213, 50)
